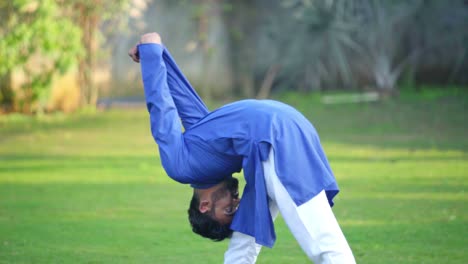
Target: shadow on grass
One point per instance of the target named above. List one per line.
(50, 163)
(38, 163)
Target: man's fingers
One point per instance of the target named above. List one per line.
(146, 38)
(151, 38)
(133, 53)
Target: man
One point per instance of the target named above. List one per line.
(277, 148)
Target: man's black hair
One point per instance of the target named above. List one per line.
(205, 224)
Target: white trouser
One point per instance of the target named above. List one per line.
(313, 224)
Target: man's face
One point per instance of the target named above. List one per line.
(226, 201)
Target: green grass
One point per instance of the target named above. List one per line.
(89, 188)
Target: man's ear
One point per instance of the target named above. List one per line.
(205, 206)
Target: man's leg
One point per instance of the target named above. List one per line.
(242, 248)
(313, 224)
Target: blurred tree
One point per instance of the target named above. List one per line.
(384, 27)
(319, 50)
(93, 16)
(202, 11)
(399, 35)
(440, 30)
(257, 43)
(335, 43)
(37, 41)
(6, 92)
(242, 19)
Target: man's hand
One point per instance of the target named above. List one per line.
(146, 38)
(150, 38)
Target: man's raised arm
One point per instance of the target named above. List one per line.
(165, 123)
(189, 105)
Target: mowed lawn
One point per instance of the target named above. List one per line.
(89, 188)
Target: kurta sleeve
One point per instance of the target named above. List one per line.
(165, 123)
(189, 105)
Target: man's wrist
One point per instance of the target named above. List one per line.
(150, 50)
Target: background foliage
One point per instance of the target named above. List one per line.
(38, 41)
(42, 39)
(268, 45)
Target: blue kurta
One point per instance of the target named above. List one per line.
(234, 137)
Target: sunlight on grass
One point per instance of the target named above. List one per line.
(359, 151)
(441, 196)
(89, 188)
(367, 223)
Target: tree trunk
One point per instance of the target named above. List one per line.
(6, 93)
(267, 83)
(202, 19)
(88, 22)
(242, 22)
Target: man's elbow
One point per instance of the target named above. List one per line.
(175, 172)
